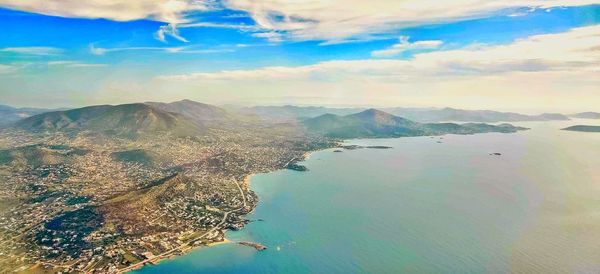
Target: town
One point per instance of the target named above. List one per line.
(106, 205)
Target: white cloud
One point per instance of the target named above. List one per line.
(171, 12)
(33, 50)
(340, 20)
(571, 51)
(333, 21)
(405, 45)
(168, 11)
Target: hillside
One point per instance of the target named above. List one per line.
(374, 123)
(38, 155)
(129, 120)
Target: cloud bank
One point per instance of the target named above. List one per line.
(572, 51)
(542, 70)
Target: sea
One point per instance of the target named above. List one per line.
(446, 204)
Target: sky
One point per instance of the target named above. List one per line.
(516, 55)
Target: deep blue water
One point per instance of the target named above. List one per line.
(425, 207)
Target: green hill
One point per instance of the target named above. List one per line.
(129, 121)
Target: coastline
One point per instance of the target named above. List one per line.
(246, 183)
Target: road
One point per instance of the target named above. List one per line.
(168, 252)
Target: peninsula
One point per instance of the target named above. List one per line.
(583, 128)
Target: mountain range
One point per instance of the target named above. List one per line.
(424, 115)
(189, 118)
(373, 123)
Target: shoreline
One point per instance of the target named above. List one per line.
(246, 182)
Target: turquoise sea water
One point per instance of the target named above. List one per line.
(425, 207)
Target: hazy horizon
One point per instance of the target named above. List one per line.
(242, 105)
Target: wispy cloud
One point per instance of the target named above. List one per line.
(33, 50)
(170, 30)
(101, 51)
(74, 64)
(220, 25)
(405, 45)
(333, 21)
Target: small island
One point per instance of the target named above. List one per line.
(353, 147)
(257, 246)
(379, 147)
(583, 128)
(296, 167)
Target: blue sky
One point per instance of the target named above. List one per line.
(242, 52)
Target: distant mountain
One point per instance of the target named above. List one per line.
(287, 113)
(374, 123)
(552, 117)
(423, 115)
(9, 115)
(129, 120)
(198, 112)
(583, 128)
(461, 115)
(586, 115)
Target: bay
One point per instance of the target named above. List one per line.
(428, 205)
